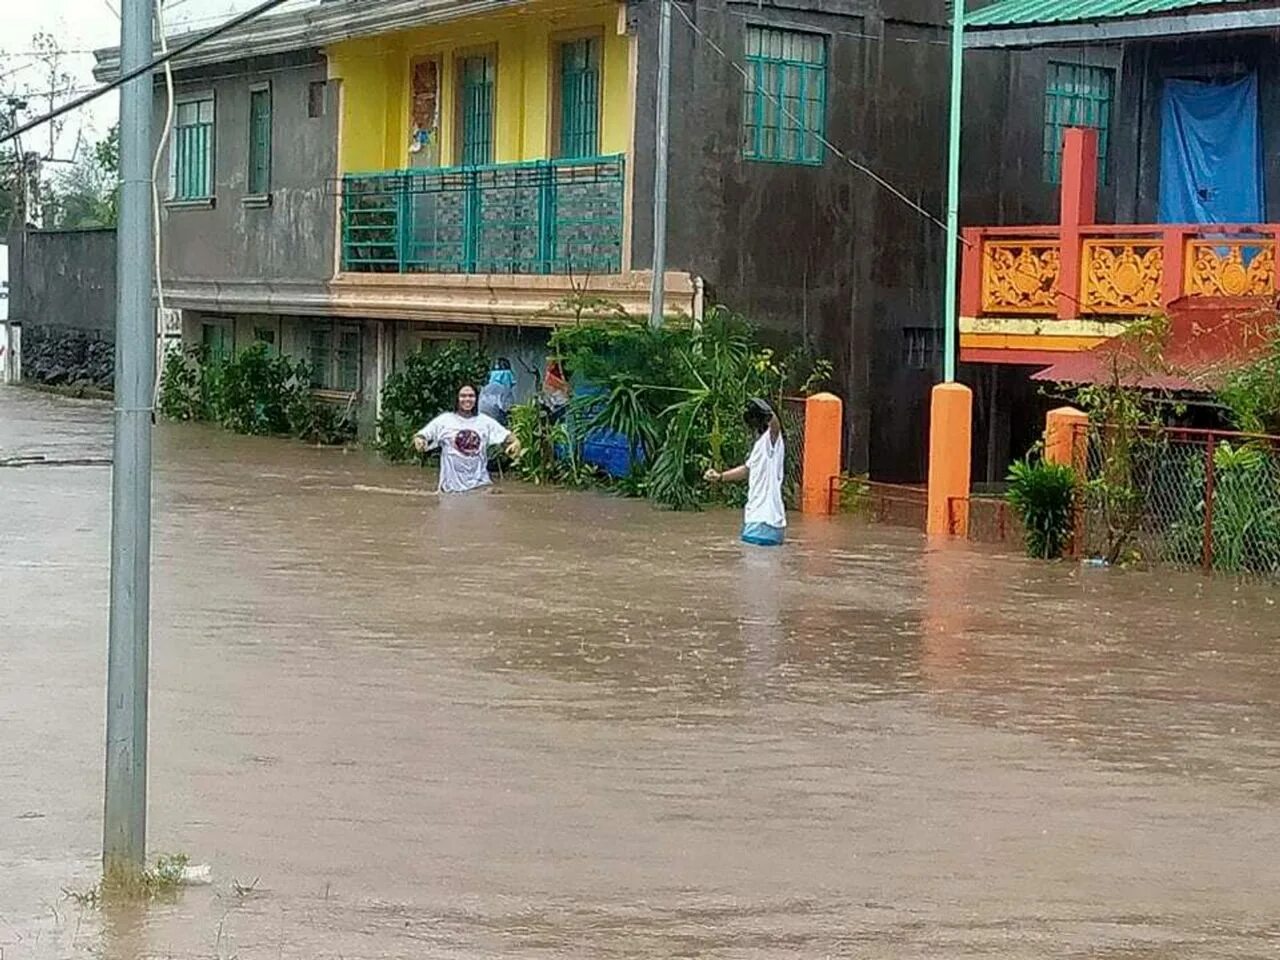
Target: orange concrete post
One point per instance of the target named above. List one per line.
(950, 447)
(1063, 431)
(1078, 203)
(823, 433)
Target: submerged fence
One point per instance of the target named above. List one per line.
(1189, 498)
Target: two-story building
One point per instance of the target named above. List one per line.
(1166, 198)
(352, 179)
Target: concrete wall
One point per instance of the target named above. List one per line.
(292, 239)
(62, 288)
(821, 252)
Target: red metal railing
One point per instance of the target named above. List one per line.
(1192, 498)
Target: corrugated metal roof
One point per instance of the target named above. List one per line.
(1034, 13)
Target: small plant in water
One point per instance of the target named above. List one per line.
(154, 883)
(1042, 494)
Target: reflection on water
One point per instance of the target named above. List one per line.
(538, 723)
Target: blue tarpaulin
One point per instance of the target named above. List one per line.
(1211, 153)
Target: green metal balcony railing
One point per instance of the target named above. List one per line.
(549, 216)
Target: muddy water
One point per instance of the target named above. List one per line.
(538, 724)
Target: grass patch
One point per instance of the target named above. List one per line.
(159, 882)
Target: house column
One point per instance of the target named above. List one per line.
(1078, 208)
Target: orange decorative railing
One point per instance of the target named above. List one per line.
(1100, 271)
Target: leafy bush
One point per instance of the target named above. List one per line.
(1251, 393)
(1246, 511)
(180, 386)
(677, 395)
(425, 387)
(252, 392)
(1042, 495)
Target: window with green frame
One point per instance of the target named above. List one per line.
(218, 339)
(260, 141)
(784, 109)
(1076, 95)
(475, 108)
(191, 163)
(579, 92)
(334, 357)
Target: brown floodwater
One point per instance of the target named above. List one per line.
(549, 724)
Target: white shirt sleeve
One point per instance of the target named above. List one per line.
(495, 433)
(431, 432)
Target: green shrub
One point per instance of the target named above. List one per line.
(1246, 512)
(252, 392)
(180, 393)
(1042, 495)
(677, 395)
(426, 386)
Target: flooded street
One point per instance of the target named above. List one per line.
(551, 724)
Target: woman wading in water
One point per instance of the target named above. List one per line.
(464, 437)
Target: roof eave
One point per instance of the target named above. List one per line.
(1113, 31)
(310, 28)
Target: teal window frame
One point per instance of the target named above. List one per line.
(578, 98)
(218, 338)
(784, 109)
(334, 353)
(1076, 95)
(477, 88)
(192, 153)
(260, 140)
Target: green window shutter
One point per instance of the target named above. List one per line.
(784, 110)
(580, 98)
(193, 150)
(1076, 96)
(477, 111)
(260, 142)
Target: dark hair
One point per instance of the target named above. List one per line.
(758, 415)
(502, 363)
(457, 408)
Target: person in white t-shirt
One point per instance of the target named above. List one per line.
(464, 438)
(764, 520)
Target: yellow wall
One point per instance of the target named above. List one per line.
(375, 82)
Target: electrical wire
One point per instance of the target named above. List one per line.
(161, 311)
(177, 51)
(800, 125)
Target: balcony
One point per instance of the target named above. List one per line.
(1112, 271)
(1030, 294)
(563, 217)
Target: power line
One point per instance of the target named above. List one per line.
(179, 50)
(800, 125)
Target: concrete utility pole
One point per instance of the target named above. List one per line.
(657, 294)
(124, 832)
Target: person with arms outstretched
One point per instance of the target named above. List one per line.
(764, 518)
(464, 437)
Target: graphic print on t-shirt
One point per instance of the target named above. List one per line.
(467, 443)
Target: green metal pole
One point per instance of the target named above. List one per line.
(949, 291)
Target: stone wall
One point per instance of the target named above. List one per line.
(63, 290)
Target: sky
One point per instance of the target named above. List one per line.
(82, 26)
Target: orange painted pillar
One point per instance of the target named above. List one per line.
(1063, 434)
(950, 447)
(823, 433)
(1078, 208)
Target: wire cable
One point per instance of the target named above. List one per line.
(238, 20)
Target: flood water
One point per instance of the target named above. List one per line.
(549, 724)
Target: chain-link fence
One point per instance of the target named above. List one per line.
(1190, 498)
